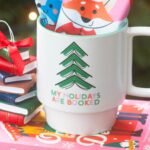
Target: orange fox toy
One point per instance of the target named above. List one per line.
(88, 9)
(92, 17)
(84, 17)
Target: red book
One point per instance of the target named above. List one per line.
(11, 68)
(17, 119)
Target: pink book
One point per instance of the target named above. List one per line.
(130, 132)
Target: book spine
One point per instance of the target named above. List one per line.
(7, 66)
(2, 78)
(11, 118)
(5, 55)
(6, 97)
(33, 107)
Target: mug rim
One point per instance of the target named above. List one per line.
(86, 36)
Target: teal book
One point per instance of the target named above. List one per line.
(23, 108)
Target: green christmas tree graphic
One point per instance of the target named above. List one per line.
(74, 65)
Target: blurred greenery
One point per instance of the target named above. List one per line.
(16, 13)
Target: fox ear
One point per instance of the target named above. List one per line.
(109, 4)
(98, 0)
(66, 1)
(119, 10)
(104, 1)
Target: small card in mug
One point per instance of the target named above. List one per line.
(49, 11)
(94, 17)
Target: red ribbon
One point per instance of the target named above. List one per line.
(13, 51)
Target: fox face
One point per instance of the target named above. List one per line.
(88, 14)
(51, 9)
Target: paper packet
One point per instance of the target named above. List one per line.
(49, 11)
(92, 17)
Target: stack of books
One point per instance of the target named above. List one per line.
(18, 102)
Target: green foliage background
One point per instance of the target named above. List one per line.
(15, 12)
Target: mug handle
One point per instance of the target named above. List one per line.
(131, 33)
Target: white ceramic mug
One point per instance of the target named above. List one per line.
(81, 80)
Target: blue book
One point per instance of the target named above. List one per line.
(14, 98)
(8, 78)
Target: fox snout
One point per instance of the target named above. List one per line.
(85, 20)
